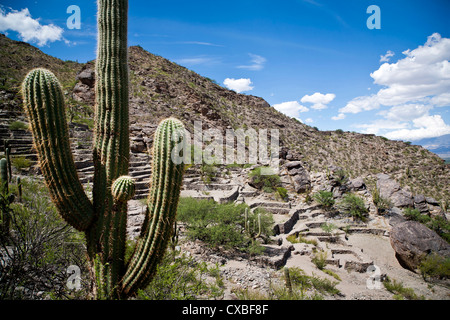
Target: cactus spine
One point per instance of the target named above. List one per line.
(104, 219)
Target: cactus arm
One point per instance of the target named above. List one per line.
(44, 104)
(162, 206)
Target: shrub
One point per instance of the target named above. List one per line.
(328, 227)
(434, 265)
(223, 224)
(400, 292)
(261, 180)
(380, 202)
(21, 162)
(354, 206)
(324, 198)
(341, 177)
(18, 125)
(320, 259)
(301, 239)
(40, 249)
(180, 277)
(282, 192)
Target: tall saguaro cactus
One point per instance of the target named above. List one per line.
(104, 218)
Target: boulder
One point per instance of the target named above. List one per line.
(87, 77)
(83, 93)
(391, 190)
(137, 145)
(300, 176)
(357, 184)
(412, 241)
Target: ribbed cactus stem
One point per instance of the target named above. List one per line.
(44, 104)
(259, 226)
(19, 188)
(246, 226)
(287, 279)
(8, 160)
(4, 175)
(162, 206)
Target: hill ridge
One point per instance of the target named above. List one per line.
(160, 88)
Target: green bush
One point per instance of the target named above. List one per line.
(354, 206)
(380, 202)
(179, 277)
(18, 125)
(320, 259)
(21, 162)
(341, 177)
(400, 292)
(223, 224)
(282, 192)
(42, 246)
(434, 265)
(261, 180)
(324, 198)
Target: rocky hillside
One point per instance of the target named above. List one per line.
(160, 88)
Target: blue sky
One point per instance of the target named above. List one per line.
(315, 60)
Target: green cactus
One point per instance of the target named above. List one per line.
(8, 160)
(6, 199)
(287, 280)
(4, 175)
(104, 219)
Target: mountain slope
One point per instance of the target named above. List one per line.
(160, 88)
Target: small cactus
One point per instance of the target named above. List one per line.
(287, 279)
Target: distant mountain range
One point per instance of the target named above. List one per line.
(439, 145)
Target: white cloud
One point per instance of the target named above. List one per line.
(387, 56)
(382, 125)
(340, 116)
(424, 72)
(197, 61)
(318, 100)
(29, 29)
(425, 127)
(291, 108)
(238, 85)
(309, 120)
(407, 112)
(363, 103)
(411, 88)
(442, 100)
(257, 63)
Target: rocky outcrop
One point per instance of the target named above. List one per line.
(412, 241)
(298, 175)
(84, 89)
(391, 190)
